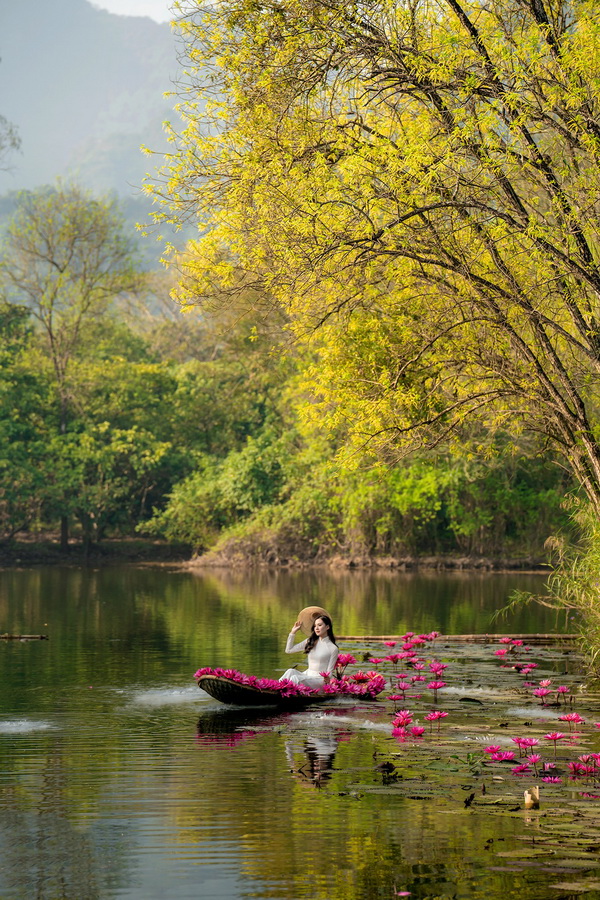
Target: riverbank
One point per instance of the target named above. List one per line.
(442, 563)
(47, 551)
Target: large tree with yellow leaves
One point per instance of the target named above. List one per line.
(417, 183)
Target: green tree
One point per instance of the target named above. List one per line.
(24, 400)
(112, 471)
(66, 257)
(220, 493)
(419, 181)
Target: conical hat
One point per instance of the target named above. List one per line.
(307, 616)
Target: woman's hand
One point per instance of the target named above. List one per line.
(295, 627)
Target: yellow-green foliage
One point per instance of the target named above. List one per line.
(417, 183)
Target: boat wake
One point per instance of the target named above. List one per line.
(23, 726)
(164, 697)
(328, 720)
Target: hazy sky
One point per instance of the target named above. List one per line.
(156, 9)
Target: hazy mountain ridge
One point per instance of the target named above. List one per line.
(85, 89)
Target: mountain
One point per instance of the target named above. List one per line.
(85, 89)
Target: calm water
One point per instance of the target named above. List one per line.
(120, 779)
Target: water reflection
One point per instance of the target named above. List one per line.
(311, 759)
(229, 727)
(309, 751)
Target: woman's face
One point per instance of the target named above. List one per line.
(321, 628)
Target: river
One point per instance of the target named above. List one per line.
(120, 779)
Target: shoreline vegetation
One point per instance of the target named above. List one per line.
(47, 551)
(199, 433)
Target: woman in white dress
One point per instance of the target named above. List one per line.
(321, 650)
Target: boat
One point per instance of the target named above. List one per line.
(232, 692)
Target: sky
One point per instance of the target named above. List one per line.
(155, 9)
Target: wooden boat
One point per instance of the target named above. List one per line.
(226, 690)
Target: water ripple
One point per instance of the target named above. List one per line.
(23, 726)
(165, 696)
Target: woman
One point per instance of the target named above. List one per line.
(320, 648)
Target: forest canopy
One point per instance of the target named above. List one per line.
(120, 416)
(386, 338)
(414, 184)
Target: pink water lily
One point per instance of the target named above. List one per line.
(555, 737)
(503, 756)
(403, 718)
(417, 731)
(436, 715)
(393, 658)
(437, 667)
(403, 687)
(345, 659)
(542, 693)
(436, 686)
(396, 698)
(573, 719)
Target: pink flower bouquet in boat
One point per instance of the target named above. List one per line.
(233, 687)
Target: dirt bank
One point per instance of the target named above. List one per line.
(240, 560)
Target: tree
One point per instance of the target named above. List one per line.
(66, 257)
(24, 398)
(113, 470)
(419, 181)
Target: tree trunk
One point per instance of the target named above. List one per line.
(64, 533)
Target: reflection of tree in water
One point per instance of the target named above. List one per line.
(318, 752)
(47, 846)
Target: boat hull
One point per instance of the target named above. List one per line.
(226, 690)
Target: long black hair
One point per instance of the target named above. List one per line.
(312, 639)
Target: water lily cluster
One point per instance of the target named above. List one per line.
(544, 690)
(361, 684)
(530, 762)
(526, 756)
(420, 675)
